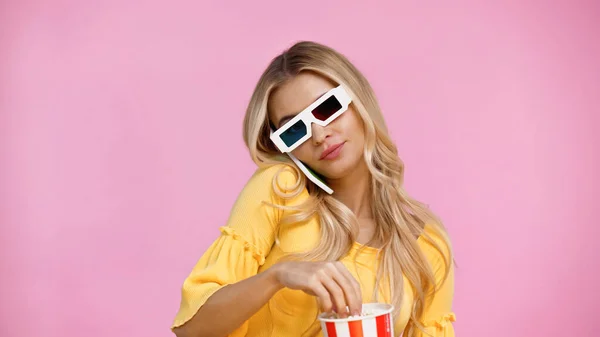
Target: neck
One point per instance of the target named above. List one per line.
(354, 190)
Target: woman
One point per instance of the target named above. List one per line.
(349, 234)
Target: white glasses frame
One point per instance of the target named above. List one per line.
(308, 118)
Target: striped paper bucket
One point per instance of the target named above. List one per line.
(375, 322)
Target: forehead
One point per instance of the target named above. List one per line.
(297, 94)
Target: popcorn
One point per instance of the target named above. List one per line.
(364, 313)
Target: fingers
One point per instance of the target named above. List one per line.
(336, 292)
(336, 289)
(352, 280)
(323, 297)
(350, 287)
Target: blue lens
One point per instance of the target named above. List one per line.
(294, 133)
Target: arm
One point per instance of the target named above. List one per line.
(438, 315)
(229, 267)
(239, 301)
(225, 289)
(329, 281)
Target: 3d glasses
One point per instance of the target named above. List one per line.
(322, 112)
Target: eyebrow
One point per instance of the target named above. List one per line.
(285, 119)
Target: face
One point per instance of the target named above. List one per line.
(344, 135)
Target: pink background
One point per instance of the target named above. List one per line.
(110, 186)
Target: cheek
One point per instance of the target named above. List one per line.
(303, 152)
(353, 126)
(356, 134)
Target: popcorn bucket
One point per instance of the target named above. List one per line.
(375, 321)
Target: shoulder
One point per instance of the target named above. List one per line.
(266, 180)
(259, 206)
(281, 174)
(274, 183)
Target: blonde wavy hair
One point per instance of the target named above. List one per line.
(400, 219)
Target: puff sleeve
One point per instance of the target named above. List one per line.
(438, 315)
(242, 246)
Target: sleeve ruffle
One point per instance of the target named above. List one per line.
(441, 327)
(249, 247)
(229, 259)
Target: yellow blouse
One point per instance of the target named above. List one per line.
(247, 246)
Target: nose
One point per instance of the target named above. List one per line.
(319, 134)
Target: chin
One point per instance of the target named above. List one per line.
(339, 168)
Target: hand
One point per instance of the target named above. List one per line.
(330, 282)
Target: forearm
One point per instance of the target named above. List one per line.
(231, 306)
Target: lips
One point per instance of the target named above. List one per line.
(330, 149)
